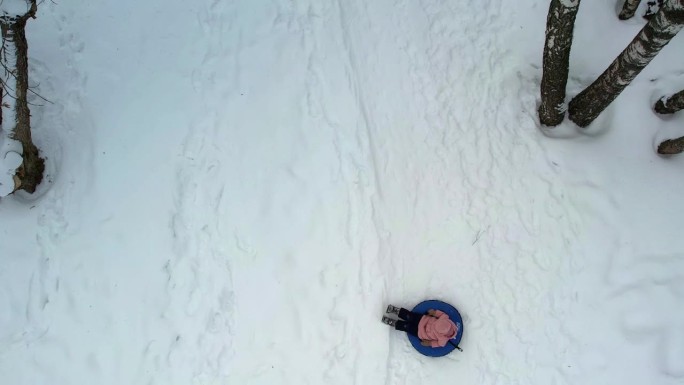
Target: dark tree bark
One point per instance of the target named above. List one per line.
(671, 146)
(559, 27)
(587, 106)
(653, 8)
(670, 105)
(629, 9)
(15, 60)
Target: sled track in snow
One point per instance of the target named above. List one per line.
(479, 158)
(200, 293)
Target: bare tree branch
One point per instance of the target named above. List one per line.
(670, 104)
(671, 146)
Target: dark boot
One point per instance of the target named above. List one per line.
(389, 321)
(391, 309)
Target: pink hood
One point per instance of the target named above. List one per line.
(437, 329)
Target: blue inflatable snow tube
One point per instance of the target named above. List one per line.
(454, 315)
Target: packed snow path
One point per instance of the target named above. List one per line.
(237, 190)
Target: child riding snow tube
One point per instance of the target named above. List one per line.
(433, 327)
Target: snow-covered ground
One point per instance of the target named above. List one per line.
(237, 189)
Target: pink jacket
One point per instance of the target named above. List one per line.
(437, 329)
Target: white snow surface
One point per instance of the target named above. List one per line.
(236, 190)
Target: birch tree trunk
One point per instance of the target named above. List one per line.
(629, 9)
(587, 106)
(671, 104)
(653, 8)
(15, 116)
(559, 27)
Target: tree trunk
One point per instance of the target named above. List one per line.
(587, 106)
(670, 105)
(15, 60)
(559, 27)
(629, 9)
(653, 8)
(671, 146)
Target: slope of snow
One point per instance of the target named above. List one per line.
(237, 189)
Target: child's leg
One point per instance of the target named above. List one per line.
(410, 316)
(408, 327)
